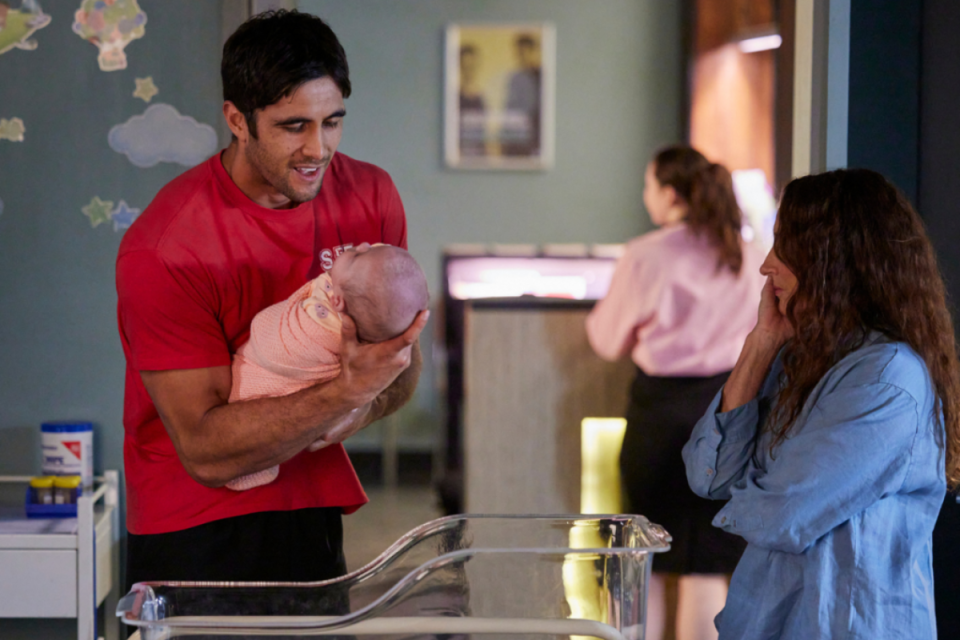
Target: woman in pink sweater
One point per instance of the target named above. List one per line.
(682, 300)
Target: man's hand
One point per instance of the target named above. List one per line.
(366, 370)
(386, 402)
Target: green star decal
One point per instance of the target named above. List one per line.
(98, 211)
(145, 89)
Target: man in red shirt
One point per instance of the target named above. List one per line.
(219, 243)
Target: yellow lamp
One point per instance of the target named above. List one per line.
(600, 442)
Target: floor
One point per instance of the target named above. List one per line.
(388, 515)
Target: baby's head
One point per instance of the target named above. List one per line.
(381, 287)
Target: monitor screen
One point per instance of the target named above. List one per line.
(472, 278)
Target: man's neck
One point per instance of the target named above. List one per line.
(249, 182)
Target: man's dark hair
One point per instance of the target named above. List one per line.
(270, 55)
(526, 40)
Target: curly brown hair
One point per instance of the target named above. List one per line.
(707, 188)
(863, 263)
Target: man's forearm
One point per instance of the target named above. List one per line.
(401, 390)
(387, 402)
(242, 437)
(217, 441)
(313, 414)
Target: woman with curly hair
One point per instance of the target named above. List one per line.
(681, 302)
(838, 431)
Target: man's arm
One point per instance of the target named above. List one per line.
(217, 442)
(388, 402)
(401, 390)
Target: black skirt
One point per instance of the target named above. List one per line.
(660, 418)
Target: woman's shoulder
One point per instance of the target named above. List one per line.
(656, 254)
(882, 361)
(674, 239)
(643, 248)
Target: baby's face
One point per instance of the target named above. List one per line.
(343, 267)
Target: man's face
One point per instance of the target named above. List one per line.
(296, 139)
(527, 53)
(468, 65)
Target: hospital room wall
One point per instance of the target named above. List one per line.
(619, 86)
(60, 353)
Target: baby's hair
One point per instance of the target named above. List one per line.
(385, 293)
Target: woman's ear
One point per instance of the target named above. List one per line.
(672, 196)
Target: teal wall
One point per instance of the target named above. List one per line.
(60, 355)
(618, 87)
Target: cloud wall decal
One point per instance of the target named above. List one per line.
(161, 134)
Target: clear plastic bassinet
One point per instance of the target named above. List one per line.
(514, 576)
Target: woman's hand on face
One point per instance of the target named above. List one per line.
(772, 326)
(771, 332)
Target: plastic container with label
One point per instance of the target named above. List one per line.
(68, 450)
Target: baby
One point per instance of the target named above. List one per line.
(296, 343)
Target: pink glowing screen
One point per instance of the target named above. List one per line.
(472, 278)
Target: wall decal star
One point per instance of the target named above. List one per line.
(145, 89)
(123, 216)
(98, 211)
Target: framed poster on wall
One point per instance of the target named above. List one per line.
(499, 96)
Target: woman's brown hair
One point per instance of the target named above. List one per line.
(863, 263)
(707, 189)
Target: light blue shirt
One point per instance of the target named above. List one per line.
(839, 519)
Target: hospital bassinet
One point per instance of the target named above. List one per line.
(530, 576)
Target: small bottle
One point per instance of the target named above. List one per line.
(42, 489)
(66, 489)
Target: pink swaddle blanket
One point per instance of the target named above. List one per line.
(293, 344)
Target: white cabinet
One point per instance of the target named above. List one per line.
(64, 568)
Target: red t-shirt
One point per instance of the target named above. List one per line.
(192, 272)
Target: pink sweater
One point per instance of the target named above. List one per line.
(293, 344)
(672, 311)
